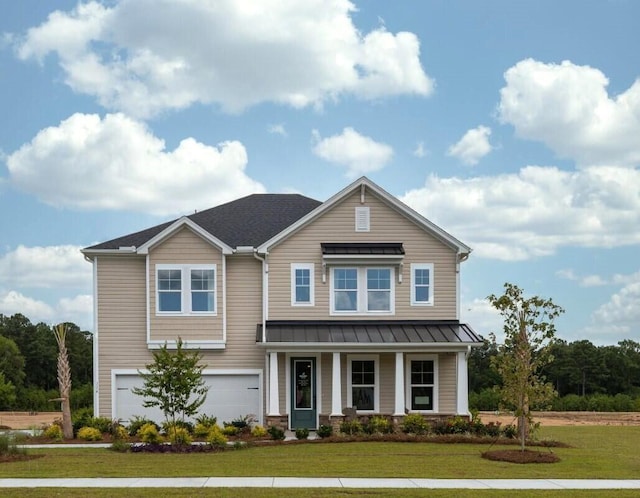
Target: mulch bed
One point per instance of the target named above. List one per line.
(519, 456)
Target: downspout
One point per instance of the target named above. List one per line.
(265, 291)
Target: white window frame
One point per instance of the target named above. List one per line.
(361, 291)
(421, 266)
(185, 291)
(302, 266)
(376, 386)
(422, 357)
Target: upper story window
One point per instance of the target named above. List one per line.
(362, 290)
(186, 289)
(421, 284)
(302, 288)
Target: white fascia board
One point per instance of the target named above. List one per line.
(158, 344)
(177, 225)
(391, 200)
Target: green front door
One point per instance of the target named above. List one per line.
(303, 393)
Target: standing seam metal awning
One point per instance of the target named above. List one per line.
(386, 332)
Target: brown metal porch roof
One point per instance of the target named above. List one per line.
(385, 332)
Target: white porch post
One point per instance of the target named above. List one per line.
(336, 386)
(462, 392)
(400, 405)
(274, 394)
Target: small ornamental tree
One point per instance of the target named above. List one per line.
(174, 383)
(528, 334)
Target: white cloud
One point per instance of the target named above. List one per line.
(358, 153)
(584, 281)
(567, 107)
(13, 302)
(619, 317)
(536, 211)
(78, 310)
(483, 317)
(45, 267)
(134, 56)
(277, 129)
(117, 163)
(420, 151)
(473, 146)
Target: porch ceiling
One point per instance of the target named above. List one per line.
(368, 332)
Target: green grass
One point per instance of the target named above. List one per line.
(595, 453)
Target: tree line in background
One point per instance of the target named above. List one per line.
(28, 365)
(585, 376)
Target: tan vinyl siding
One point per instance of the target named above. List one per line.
(338, 225)
(185, 247)
(447, 383)
(387, 382)
(121, 308)
(326, 362)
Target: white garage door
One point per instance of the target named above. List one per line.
(230, 396)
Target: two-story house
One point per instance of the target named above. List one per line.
(299, 308)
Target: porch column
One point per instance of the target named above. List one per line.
(462, 391)
(336, 386)
(274, 393)
(400, 404)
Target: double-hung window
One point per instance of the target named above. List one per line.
(186, 289)
(302, 284)
(362, 290)
(422, 375)
(363, 388)
(421, 284)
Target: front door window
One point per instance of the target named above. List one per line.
(304, 385)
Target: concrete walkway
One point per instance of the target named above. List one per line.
(317, 482)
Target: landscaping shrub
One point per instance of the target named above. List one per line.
(510, 431)
(302, 433)
(81, 418)
(379, 425)
(9, 446)
(149, 433)
(230, 430)
(103, 424)
(90, 434)
(178, 434)
(414, 423)
(351, 427)
(493, 429)
(168, 426)
(137, 423)
(201, 430)
(54, 431)
(258, 431)
(276, 433)
(119, 432)
(206, 420)
(325, 431)
(120, 445)
(216, 437)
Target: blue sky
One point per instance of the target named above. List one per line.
(513, 125)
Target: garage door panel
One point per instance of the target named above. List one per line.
(230, 396)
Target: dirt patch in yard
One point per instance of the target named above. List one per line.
(550, 419)
(28, 420)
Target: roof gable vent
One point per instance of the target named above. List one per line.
(363, 219)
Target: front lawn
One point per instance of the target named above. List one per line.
(596, 453)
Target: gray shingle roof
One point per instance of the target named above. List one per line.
(248, 221)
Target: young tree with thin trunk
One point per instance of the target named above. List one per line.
(528, 334)
(174, 383)
(64, 379)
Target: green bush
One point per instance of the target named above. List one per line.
(201, 430)
(415, 423)
(379, 424)
(258, 431)
(623, 403)
(206, 420)
(138, 422)
(149, 433)
(510, 431)
(120, 445)
(486, 400)
(216, 437)
(493, 429)
(302, 433)
(54, 431)
(179, 435)
(276, 433)
(351, 427)
(600, 403)
(325, 431)
(230, 430)
(120, 432)
(168, 426)
(90, 434)
(81, 397)
(9, 446)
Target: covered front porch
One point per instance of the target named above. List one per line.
(315, 378)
